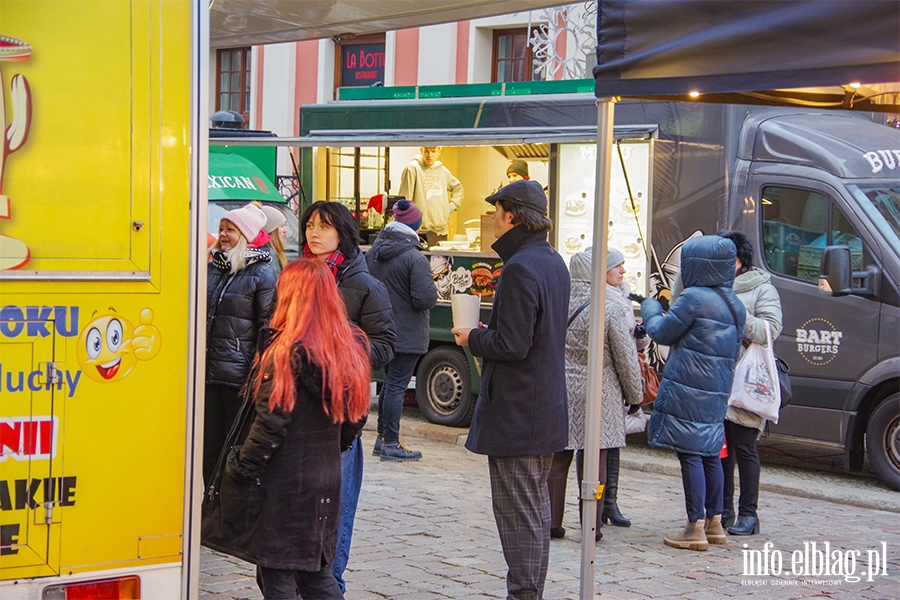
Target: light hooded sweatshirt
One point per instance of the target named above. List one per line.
(434, 190)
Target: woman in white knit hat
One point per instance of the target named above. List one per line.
(240, 284)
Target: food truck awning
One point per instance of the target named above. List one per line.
(232, 177)
(477, 121)
(252, 22)
(441, 137)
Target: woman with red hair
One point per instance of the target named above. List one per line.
(281, 490)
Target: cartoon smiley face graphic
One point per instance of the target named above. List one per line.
(109, 347)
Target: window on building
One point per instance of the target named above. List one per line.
(797, 226)
(513, 58)
(233, 81)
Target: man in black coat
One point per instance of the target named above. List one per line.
(396, 261)
(521, 417)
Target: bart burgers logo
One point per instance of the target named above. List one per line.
(109, 347)
(818, 342)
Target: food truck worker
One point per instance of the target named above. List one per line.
(434, 189)
(517, 171)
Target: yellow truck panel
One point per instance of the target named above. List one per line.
(96, 269)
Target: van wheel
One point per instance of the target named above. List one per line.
(443, 388)
(883, 441)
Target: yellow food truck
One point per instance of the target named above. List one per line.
(100, 208)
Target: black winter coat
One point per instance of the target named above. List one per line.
(280, 495)
(522, 408)
(368, 307)
(396, 261)
(237, 308)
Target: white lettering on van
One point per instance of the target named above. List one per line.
(816, 345)
(883, 159)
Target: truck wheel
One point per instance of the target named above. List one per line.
(443, 388)
(883, 441)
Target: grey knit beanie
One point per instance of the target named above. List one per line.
(580, 266)
(614, 258)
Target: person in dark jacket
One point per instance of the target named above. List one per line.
(396, 260)
(329, 233)
(521, 417)
(279, 498)
(704, 329)
(240, 293)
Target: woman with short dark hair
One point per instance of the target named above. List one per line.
(329, 232)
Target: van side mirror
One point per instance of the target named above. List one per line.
(836, 274)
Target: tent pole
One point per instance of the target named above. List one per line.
(591, 488)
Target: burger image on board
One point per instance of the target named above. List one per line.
(482, 280)
(576, 204)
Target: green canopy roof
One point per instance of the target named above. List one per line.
(232, 177)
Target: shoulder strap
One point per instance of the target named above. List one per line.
(578, 312)
(728, 304)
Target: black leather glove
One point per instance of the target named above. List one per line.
(636, 298)
(634, 408)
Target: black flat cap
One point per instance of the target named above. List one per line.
(527, 193)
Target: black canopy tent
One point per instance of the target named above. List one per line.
(744, 52)
(735, 51)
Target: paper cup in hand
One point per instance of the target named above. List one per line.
(466, 310)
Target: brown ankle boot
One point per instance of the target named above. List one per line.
(692, 538)
(715, 533)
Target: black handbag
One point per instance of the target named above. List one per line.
(784, 380)
(212, 529)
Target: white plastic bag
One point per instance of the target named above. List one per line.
(756, 387)
(635, 423)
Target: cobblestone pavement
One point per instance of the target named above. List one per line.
(425, 531)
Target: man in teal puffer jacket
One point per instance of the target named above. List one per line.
(704, 329)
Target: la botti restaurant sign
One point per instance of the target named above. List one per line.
(362, 64)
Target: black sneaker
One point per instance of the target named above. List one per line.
(557, 532)
(398, 452)
(379, 441)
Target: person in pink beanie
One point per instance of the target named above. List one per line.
(240, 285)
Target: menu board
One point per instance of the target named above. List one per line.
(628, 223)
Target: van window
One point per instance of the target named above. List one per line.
(797, 226)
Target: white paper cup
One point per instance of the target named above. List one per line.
(466, 310)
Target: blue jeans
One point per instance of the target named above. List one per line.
(351, 483)
(704, 483)
(397, 374)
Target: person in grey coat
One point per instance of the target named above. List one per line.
(622, 384)
(396, 260)
(703, 329)
(742, 427)
(520, 417)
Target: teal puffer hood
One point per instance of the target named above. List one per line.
(707, 261)
(704, 342)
